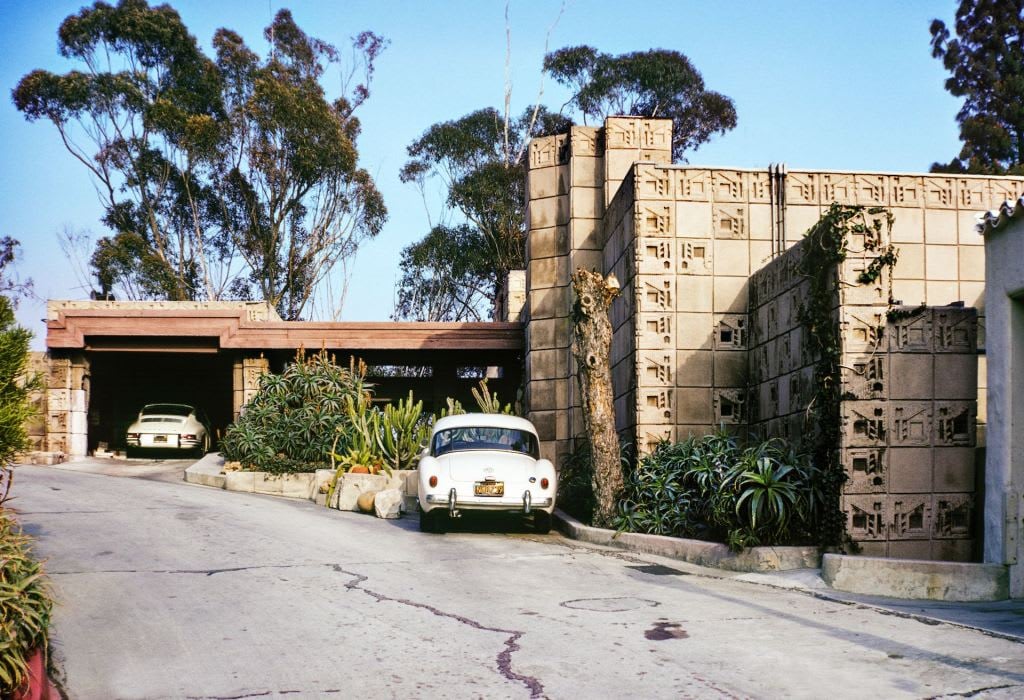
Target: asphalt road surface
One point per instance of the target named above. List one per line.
(168, 590)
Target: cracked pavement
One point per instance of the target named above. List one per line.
(167, 590)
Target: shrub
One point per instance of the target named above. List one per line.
(715, 488)
(25, 606)
(298, 418)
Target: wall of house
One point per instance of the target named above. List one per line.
(687, 243)
(1004, 465)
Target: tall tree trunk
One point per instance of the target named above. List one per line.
(591, 346)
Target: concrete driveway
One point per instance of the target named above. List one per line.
(169, 590)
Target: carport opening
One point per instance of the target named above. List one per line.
(122, 382)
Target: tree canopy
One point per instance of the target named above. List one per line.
(231, 177)
(654, 83)
(985, 60)
(479, 159)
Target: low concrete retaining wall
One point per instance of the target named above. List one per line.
(209, 471)
(915, 579)
(694, 551)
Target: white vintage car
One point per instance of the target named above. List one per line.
(169, 426)
(485, 461)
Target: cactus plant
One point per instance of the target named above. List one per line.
(402, 433)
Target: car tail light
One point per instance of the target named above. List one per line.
(133, 435)
(544, 483)
(188, 436)
(433, 481)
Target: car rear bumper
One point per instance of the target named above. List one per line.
(502, 503)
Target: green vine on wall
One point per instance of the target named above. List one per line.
(826, 246)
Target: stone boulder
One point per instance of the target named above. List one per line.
(346, 493)
(365, 501)
(388, 503)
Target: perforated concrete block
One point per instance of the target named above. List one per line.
(58, 399)
(548, 242)
(862, 329)
(655, 406)
(59, 376)
(730, 294)
(866, 470)
(695, 294)
(695, 330)
(730, 368)
(865, 377)
(655, 330)
(656, 369)
(651, 435)
(910, 423)
(955, 469)
(694, 368)
(654, 182)
(911, 376)
(695, 257)
(956, 376)
(910, 516)
(693, 220)
(729, 406)
(658, 292)
(548, 212)
(955, 424)
(730, 332)
(729, 221)
(692, 184)
(57, 422)
(863, 423)
(910, 469)
(954, 515)
(866, 517)
(656, 256)
(955, 330)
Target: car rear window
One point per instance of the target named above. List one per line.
(166, 409)
(473, 438)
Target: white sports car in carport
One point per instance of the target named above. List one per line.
(169, 426)
(485, 461)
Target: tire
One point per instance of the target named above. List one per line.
(542, 522)
(203, 448)
(432, 521)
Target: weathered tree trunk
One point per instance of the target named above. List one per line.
(591, 346)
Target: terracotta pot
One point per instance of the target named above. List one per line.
(38, 686)
(359, 469)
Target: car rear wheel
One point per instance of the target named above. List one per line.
(434, 521)
(541, 522)
(204, 447)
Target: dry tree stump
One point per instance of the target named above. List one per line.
(591, 346)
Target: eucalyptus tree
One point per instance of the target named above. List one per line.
(654, 83)
(233, 177)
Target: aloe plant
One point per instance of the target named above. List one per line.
(25, 606)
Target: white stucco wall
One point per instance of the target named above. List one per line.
(1004, 461)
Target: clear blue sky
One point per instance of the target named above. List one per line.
(817, 84)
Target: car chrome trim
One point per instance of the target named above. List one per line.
(526, 501)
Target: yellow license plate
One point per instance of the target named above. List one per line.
(489, 488)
